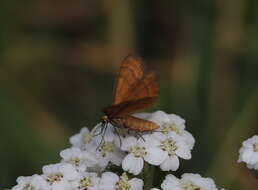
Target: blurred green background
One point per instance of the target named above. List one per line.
(58, 64)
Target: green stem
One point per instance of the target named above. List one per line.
(147, 176)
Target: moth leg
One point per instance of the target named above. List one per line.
(120, 140)
(117, 125)
(104, 133)
(139, 135)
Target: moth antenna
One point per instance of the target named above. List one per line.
(102, 133)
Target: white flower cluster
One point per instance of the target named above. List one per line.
(85, 166)
(248, 153)
(64, 176)
(162, 147)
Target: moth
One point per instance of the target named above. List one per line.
(134, 90)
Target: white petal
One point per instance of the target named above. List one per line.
(150, 140)
(69, 172)
(171, 182)
(132, 164)
(189, 139)
(254, 158)
(183, 150)
(246, 156)
(108, 181)
(136, 184)
(160, 136)
(62, 185)
(128, 142)
(155, 156)
(171, 163)
(143, 115)
(75, 139)
(70, 152)
(115, 157)
(159, 117)
(176, 119)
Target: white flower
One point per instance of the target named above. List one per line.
(35, 182)
(60, 175)
(86, 181)
(140, 150)
(111, 181)
(169, 123)
(188, 182)
(80, 159)
(173, 146)
(248, 153)
(154, 189)
(108, 148)
(83, 140)
(109, 152)
(102, 144)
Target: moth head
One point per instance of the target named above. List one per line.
(104, 118)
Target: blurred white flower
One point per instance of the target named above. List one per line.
(60, 175)
(86, 181)
(254, 166)
(173, 146)
(188, 182)
(248, 153)
(154, 189)
(35, 182)
(80, 159)
(111, 181)
(169, 123)
(140, 150)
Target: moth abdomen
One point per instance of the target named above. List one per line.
(137, 124)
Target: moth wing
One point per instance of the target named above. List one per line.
(125, 108)
(130, 73)
(144, 88)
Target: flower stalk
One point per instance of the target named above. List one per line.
(147, 176)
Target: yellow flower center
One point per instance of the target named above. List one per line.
(255, 147)
(28, 187)
(75, 161)
(87, 138)
(123, 184)
(55, 177)
(106, 147)
(168, 127)
(169, 145)
(190, 186)
(85, 183)
(138, 151)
